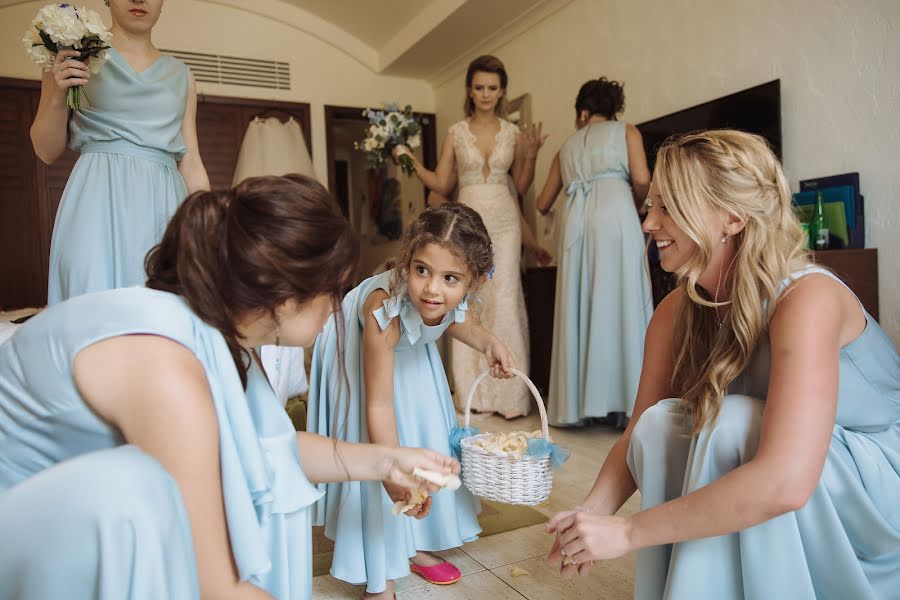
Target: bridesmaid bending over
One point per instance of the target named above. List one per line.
(766, 434)
(143, 454)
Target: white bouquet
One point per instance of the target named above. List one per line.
(388, 128)
(61, 27)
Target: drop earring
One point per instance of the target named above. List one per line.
(724, 238)
(277, 344)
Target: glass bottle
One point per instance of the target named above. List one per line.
(818, 231)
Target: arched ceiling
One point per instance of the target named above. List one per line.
(408, 38)
(428, 39)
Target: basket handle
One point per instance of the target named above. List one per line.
(534, 392)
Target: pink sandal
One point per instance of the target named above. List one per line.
(444, 573)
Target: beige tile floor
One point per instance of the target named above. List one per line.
(487, 563)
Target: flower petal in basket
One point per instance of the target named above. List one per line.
(501, 476)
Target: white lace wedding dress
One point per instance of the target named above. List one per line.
(502, 306)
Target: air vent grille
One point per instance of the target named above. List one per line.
(233, 70)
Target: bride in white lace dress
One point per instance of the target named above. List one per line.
(477, 154)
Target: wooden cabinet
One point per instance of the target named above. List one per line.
(858, 268)
(539, 287)
(29, 194)
(30, 191)
(18, 244)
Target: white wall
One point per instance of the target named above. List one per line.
(838, 61)
(320, 73)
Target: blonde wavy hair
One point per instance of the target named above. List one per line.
(735, 173)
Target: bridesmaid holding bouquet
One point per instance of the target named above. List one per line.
(139, 154)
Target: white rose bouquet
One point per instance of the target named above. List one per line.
(388, 128)
(60, 27)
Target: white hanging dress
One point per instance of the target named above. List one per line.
(271, 147)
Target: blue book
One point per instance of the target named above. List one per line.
(843, 194)
(858, 231)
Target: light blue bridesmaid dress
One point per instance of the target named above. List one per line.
(93, 518)
(125, 185)
(844, 543)
(603, 296)
(371, 544)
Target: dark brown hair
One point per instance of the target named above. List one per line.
(486, 64)
(601, 97)
(235, 252)
(453, 226)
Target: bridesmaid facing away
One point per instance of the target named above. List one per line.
(143, 454)
(603, 295)
(765, 439)
(138, 154)
(477, 154)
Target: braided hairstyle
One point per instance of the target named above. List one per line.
(453, 226)
(730, 172)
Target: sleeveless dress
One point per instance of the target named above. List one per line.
(501, 307)
(372, 545)
(844, 543)
(603, 295)
(125, 186)
(94, 518)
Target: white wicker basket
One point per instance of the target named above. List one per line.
(526, 480)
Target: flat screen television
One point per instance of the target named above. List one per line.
(756, 110)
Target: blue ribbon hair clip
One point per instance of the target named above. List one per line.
(490, 272)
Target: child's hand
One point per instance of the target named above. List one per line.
(420, 511)
(500, 359)
(397, 493)
(412, 503)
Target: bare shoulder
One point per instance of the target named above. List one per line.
(375, 300)
(658, 338)
(371, 329)
(815, 292)
(664, 313)
(450, 138)
(114, 374)
(817, 301)
(633, 136)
